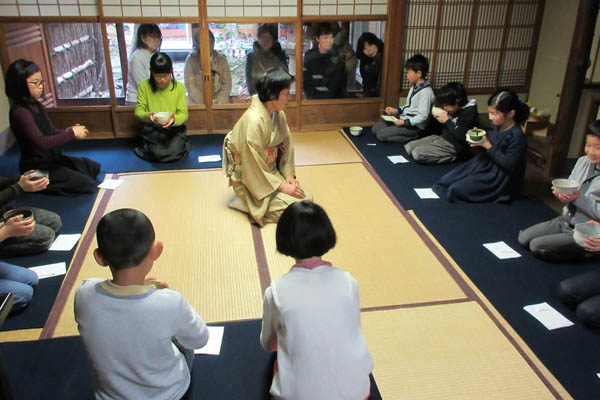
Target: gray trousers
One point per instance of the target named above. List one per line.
(552, 241)
(391, 133)
(47, 224)
(432, 149)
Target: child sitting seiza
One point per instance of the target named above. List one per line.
(413, 116)
(457, 116)
(553, 240)
(312, 316)
(496, 174)
(138, 333)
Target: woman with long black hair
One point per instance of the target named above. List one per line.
(39, 140)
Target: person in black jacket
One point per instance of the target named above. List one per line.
(457, 115)
(20, 236)
(324, 72)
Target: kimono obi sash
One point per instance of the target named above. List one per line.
(232, 159)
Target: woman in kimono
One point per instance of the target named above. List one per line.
(496, 174)
(162, 141)
(258, 155)
(40, 142)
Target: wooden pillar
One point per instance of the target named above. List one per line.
(577, 66)
(394, 49)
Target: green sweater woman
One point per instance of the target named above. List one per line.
(164, 136)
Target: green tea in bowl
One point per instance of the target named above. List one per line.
(476, 134)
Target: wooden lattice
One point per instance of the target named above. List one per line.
(484, 44)
(77, 60)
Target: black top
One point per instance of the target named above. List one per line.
(370, 71)
(37, 138)
(455, 129)
(9, 190)
(323, 75)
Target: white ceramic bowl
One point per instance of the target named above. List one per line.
(436, 111)
(356, 130)
(564, 186)
(584, 231)
(162, 117)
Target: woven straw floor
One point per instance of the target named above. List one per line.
(314, 148)
(376, 244)
(450, 351)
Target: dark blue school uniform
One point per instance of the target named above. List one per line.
(495, 175)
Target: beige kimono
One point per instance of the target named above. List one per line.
(257, 156)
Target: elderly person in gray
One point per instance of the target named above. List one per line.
(266, 53)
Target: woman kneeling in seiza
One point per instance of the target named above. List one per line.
(258, 155)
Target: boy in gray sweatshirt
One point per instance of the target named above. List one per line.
(138, 333)
(411, 119)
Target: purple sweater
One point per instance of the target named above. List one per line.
(38, 139)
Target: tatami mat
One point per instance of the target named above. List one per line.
(20, 335)
(376, 243)
(208, 249)
(329, 147)
(451, 351)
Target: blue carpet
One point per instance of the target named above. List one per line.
(116, 155)
(401, 179)
(59, 368)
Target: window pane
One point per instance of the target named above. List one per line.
(220, 72)
(342, 59)
(77, 59)
(250, 50)
(130, 55)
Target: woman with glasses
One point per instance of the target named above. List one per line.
(39, 140)
(148, 40)
(164, 140)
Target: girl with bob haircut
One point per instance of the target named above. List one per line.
(496, 174)
(369, 51)
(553, 240)
(258, 154)
(147, 42)
(39, 140)
(311, 316)
(162, 141)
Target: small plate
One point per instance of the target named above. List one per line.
(389, 118)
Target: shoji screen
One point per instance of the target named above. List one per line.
(481, 43)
